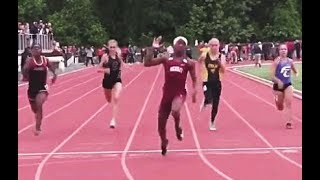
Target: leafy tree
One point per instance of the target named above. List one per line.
(286, 22)
(31, 10)
(138, 21)
(225, 19)
(76, 24)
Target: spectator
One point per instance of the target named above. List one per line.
(89, 52)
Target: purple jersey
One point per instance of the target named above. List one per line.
(283, 71)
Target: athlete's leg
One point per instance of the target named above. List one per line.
(163, 114)
(107, 94)
(107, 88)
(207, 89)
(117, 88)
(175, 112)
(32, 100)
(278, 98)
(33, 105)
(216, 92)
(39, 101)
(288, 93)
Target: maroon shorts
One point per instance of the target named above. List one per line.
(167, 99)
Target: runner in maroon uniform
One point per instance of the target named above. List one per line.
(174, 93)
(35, 70)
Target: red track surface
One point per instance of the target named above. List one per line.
(76, 143)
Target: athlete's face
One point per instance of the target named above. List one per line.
(283, 50)
(214, 45)
(112, 48)
(179, 47)
(36, 51)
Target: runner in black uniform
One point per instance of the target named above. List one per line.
(35, 71)
(114, 66)
(112, 84)
(214, 66)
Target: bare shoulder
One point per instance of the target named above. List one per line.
(276, 61)
(105, 57)
(191, 61)
(27, 64)
(28, 60)
(46, 58)
(203, 55)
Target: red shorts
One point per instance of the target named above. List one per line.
(167, 99)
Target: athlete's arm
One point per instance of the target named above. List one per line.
(104, 59)
(192, 72)
(119, 53)
(25, 68)
(223, 63)
(201, 65)
(273, 72)
(122, 62)
(294, 69)
(150, 61)
(202, 57)
(52, 69)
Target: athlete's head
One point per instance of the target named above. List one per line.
(214, 45)
(36, 50)
(283, 50)
(113, 47)
(179, 45)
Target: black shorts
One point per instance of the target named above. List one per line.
(108, 83)
(285, 86)
(211, 91)
(33, 92)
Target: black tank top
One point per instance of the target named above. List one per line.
(38, 74)
(213, 68)
(115, 68)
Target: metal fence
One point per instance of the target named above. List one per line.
(25, 40)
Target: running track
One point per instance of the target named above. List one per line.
(76, 142)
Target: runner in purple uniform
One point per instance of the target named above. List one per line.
(282, 87)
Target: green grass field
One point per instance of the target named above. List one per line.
(264, 72)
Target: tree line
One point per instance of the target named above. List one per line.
(83, 22)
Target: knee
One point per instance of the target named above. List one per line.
(38, 106)
(216, 100)
(34, 109)
(162, 118)
(214, 107)
(288, 103)
(108, 98)
(280, 107)
(175, 113)
(115, 99)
